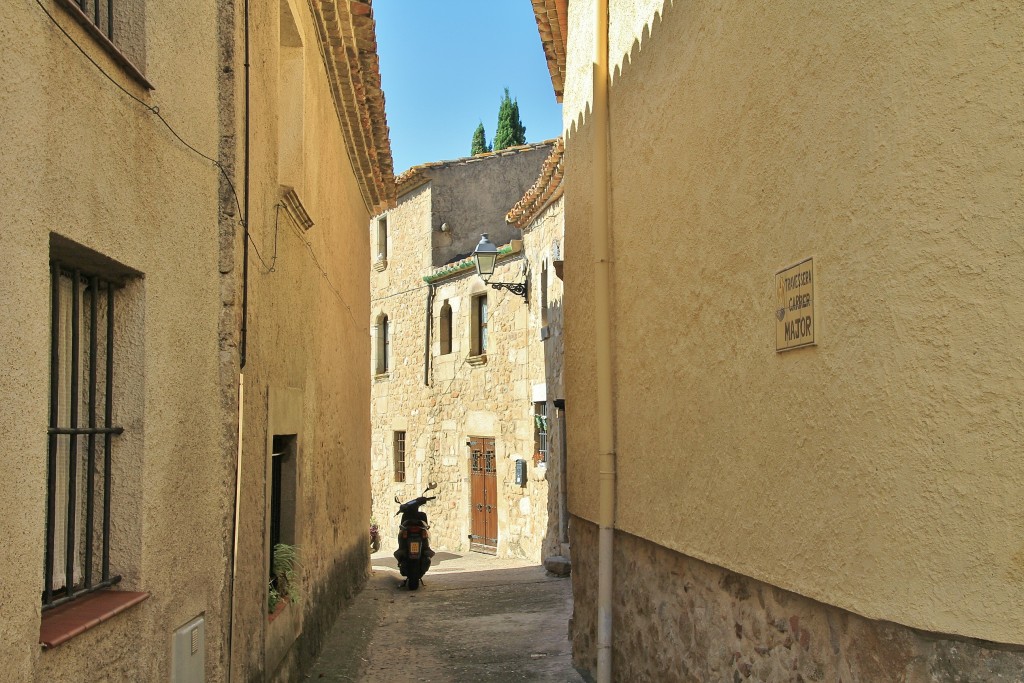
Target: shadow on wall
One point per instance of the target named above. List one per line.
(557, 533)
(622, 64)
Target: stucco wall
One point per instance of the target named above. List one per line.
(874, 471)
(307, 346)
(85, 162)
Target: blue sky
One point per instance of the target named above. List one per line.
(444, 67)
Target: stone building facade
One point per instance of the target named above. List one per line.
(155, 345)
(460, 367)
(845, 510)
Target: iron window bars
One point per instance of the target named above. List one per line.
(399, 456)
(103, 21)
(540, 432)
(89, 294)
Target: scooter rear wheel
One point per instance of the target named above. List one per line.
(414, 582)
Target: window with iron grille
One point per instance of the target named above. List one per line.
(283, 461)
(81, 435)
(399, 449)
(540, 432)
(118, 25)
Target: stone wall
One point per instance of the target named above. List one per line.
(497, 180)
(679, 619)
(542, 244)
(441, 400)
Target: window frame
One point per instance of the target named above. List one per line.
(106, 39)
(382, 238)
(445, 329)
(382, 364)
(81, 362)
(541, 446)
(479, 337)
(398, 443)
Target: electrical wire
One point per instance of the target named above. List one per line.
(323, 273)
(155, 111)
(388, 296)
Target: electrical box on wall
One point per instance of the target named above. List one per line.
(520, 472)
(188, 652)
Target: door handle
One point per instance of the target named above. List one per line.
(488, 508)
(479, 506)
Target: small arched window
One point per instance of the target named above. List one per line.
(445, 328)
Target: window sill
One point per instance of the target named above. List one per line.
(108, 45)
(380, 265)
(477, 361)
(382, 377)
(63, 623)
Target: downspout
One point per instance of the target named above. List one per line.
(603, 344)
(426, 343)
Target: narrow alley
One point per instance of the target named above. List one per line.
(476, 618)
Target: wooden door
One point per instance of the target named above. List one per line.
(484, 536)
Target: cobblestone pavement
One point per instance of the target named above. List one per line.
(476, 619)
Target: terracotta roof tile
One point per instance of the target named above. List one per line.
(547, 189)
(552, 22)
(347, 35)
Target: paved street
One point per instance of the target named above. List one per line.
(476, 619)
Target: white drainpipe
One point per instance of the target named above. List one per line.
(603, 351)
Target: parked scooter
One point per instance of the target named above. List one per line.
(414, 551)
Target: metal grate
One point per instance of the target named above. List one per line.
(100, 13)
(400, 456)
(77, 474)
(540, 432)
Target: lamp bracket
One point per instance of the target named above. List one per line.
(518, 288)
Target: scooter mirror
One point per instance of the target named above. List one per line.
(398, 501)
(431, 486)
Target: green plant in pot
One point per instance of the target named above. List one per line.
(284, 582)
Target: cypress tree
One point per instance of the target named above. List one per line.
(479, 141)
(510, 130)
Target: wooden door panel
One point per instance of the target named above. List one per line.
(484, 484)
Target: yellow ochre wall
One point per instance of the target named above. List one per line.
(878, 471)
(308, 347)
(82, 160)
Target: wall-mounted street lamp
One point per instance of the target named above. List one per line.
(486, 255)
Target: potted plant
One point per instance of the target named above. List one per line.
(284, 582)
